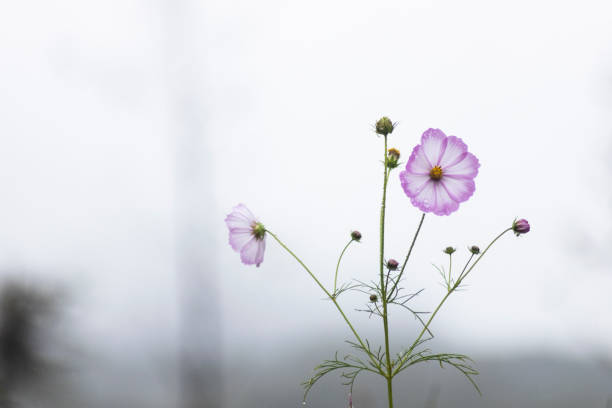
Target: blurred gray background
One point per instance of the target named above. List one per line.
(129, 129)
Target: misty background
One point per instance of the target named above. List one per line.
(129, 129)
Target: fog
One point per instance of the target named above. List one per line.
(130, 129)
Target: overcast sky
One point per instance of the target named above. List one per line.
(283, 96)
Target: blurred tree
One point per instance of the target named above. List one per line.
(200, 373)
(24, 311)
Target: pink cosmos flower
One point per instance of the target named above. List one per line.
(246, 235)
(440, 173)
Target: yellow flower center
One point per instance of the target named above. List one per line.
(436, 173)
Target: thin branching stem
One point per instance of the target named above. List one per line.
(481, 255)
(452, 289)
(416, 234)
(466, 265)
(450, 266)
(338, 265)
(332, 298)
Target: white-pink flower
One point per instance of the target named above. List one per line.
(246, 235)
(440, 173)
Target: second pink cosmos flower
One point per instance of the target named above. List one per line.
(440, 173)
(246, 235)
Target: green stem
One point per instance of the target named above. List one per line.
(383, 288)
(465, 267)
(338, 265)
(390, 391)
(455, 286)
(332, 298)
(450, 267)
(416, 234)
(481, 255)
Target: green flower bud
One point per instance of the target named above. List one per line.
(384, 126)
(474, 249)
(373, 298)
(449, 250)
(356, 235)
(393, 156)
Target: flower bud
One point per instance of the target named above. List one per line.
(356, 235)
(474, 249)
(520, 227)
(393, 156)
(373, 298)
(392, 264)
(384, 126)
(449, 250)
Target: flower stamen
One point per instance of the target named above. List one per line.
(435, 173)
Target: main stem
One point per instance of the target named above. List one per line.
(383, 289)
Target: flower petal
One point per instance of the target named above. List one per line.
(240, 217)
(459, 189)
(426, 198)
(252, 252)
(466, 168)
(445, 204)
(418, 163)
(242, 209)
(434, 197)
(413, 183)
(238, 237)
(454, 153)
(261, 247)
(433, 142)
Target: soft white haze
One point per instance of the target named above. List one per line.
(527, 86)
(288, 93)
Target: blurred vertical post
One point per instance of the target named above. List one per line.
(200, 375)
